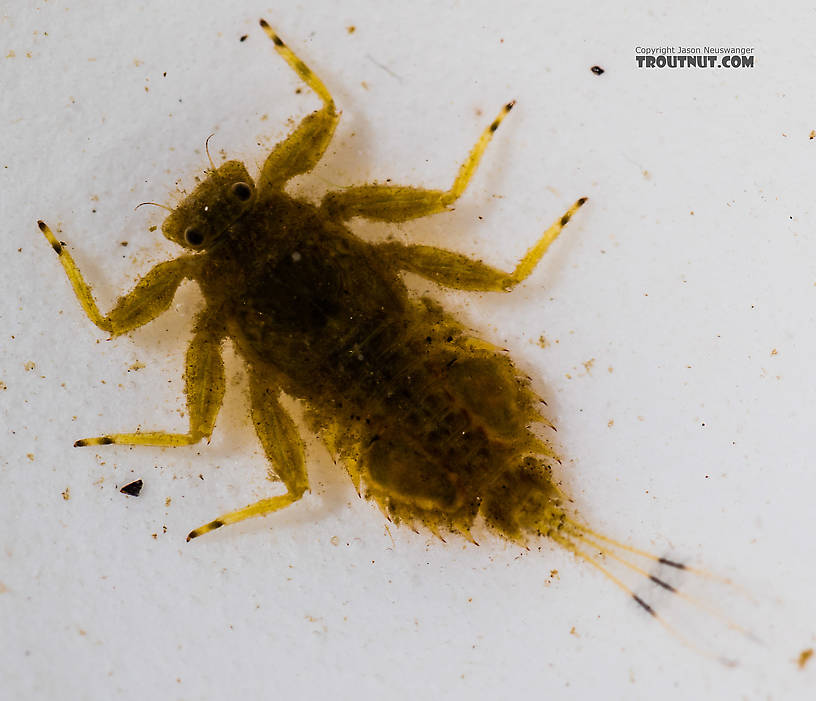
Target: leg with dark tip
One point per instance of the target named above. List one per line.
(283, 447)
(304, 147)
(394, 203)
(205, 385)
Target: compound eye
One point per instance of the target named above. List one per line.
(242, 191)
(193, 236)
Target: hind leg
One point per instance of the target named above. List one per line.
(284, 450)
(395, 204)
(462, 273)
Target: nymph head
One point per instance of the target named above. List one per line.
(212, 208)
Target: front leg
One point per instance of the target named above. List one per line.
(462, 273)
(149, 299)
(204, 386)
(304, 147)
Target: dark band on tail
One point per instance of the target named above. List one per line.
(646, 606)
(663, 584)
(671, 563)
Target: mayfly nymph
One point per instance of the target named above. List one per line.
(431, 422)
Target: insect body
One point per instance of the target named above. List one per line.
(430, 422)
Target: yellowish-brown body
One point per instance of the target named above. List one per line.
(431, 422)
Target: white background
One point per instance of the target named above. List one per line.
(689, 278)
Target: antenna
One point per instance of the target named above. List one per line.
(207, 149)
(155, 204)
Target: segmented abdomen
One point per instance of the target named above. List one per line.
(430, 419)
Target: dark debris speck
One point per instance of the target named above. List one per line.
(132, 489)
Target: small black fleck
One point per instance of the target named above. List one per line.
(244, 37)
(132, 489)
(597, 70)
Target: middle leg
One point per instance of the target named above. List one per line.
(204, 385)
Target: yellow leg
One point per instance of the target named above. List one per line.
(468, 168)
(155, 438)
(283, 447)
(151, 296)
(259, 508)
(531, 258)
(204, 386)
(298, 66)
(395, 203)
(301, 151)
(462, 273)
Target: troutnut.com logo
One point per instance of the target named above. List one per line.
(694, 56)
